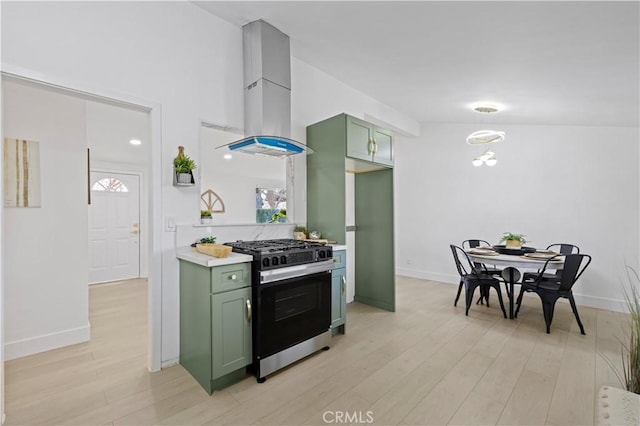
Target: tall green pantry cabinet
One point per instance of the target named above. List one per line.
(347, 144)
(215, 320)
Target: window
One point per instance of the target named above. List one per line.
(271, 205)
(110, 185)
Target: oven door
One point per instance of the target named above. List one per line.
(290, 311)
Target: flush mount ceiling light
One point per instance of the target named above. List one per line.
(135, 142)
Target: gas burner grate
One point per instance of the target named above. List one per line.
(273, 245)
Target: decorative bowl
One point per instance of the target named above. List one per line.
(502, 249)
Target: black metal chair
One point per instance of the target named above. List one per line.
(471, 278)
(563, 249)
(550, 290)
(491, 270)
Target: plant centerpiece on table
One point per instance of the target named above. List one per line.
(513, 240)
(300, 232)
(206, 217)
(183, 166)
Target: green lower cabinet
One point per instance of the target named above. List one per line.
(339, 294)
(231, 331)
(215, 326)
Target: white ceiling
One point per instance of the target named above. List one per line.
(557, 63)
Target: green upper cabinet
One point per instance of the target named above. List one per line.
(368, 142)
(383, 151)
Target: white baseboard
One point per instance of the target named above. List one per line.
(601, 303)
(581, 299)
(46, 342)
(170, 363)
(427, 275)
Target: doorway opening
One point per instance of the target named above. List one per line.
(142, 168)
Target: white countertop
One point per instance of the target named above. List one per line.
(337, 247)
(189, 254)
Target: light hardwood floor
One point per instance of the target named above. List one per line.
(425, 364)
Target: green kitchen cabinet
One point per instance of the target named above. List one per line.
(215, 322)
(368, 142)
(373, 199)
(339, 292)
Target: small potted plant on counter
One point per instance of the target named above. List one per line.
(300, 232)
(206, 217)
(513, 240)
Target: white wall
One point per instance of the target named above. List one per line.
(190, 64)
(46, 296)
(554, 184)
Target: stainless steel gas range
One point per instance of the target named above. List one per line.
(291, 291)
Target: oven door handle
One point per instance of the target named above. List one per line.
(248, 310)
(295, 271)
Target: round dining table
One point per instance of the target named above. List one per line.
(509, 263)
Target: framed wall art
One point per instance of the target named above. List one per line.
(21, 173)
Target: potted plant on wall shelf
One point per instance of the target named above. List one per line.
(513, 240)
(183, 167)
(206, 217)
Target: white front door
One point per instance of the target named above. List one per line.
(114, 227)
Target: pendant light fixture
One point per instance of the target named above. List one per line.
(484, 137)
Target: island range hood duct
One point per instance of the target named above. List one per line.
(267, 93)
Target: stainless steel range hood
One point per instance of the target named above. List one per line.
(267, 93)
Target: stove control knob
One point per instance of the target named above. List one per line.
(265, 262)
(283, 260)
(274, 260)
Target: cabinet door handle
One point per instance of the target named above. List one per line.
(248, 310)
(233, 277)
(370, 146)
(344, 284)
(375, 147)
